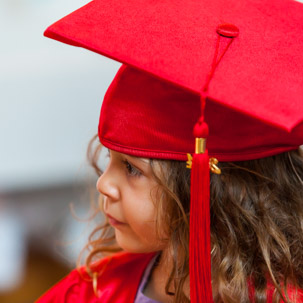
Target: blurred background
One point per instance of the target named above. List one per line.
(50, 98)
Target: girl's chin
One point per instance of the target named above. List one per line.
(130, 243)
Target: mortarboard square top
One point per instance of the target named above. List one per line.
(255, 98)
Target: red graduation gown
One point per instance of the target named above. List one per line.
(121, 276)
(119, 283)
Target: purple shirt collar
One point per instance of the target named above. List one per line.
(141, 298)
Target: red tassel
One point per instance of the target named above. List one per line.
(199, 238)
(200, 246)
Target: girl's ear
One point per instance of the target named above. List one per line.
(300, 150)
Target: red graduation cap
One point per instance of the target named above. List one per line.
(232, 72)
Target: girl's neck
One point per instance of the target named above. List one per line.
(155, 287)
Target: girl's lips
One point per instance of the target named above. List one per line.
(113, 221)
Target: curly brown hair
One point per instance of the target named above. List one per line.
(256, 226)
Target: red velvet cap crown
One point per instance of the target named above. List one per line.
(144, 116)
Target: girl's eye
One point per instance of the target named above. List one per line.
(131, 170)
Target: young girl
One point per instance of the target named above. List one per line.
(245, 229)
(181, 233)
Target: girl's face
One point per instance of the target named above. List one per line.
(129, 191)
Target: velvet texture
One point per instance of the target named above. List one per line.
(146, 117)
(261, 75)
(118, 283)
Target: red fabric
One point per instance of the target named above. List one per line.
(117, 284)
(144, 116)
(199, 242)
(261, 75)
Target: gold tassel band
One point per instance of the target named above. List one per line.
(200, 145)
(200, 148)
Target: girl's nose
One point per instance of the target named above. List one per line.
(107, 186)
